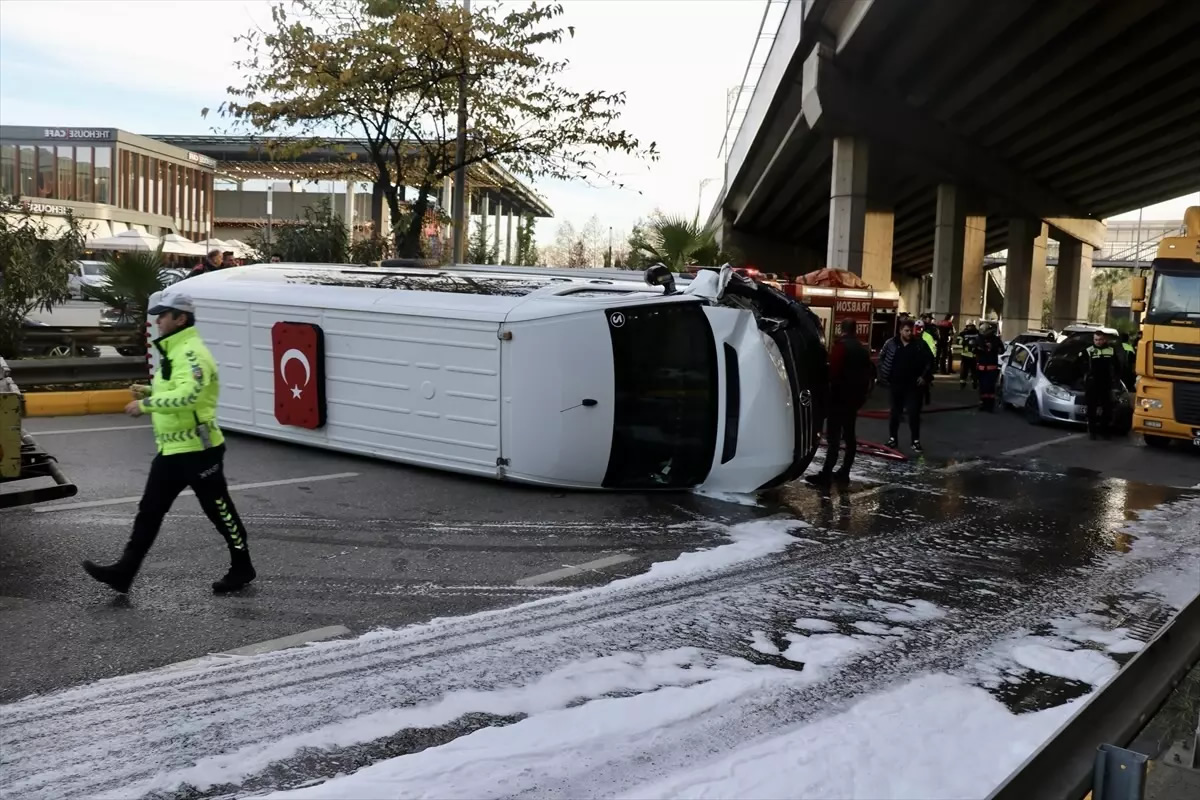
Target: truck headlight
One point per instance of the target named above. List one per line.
(1059, 393)
(1149, 403)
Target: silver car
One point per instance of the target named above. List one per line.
(86, 276)
(1045, 380)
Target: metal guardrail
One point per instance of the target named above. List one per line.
(1064, 767)
(30, 372)
(75, 336)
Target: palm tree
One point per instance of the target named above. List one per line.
(131, 279)
(677, 242)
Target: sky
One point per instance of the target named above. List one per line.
(150, 66)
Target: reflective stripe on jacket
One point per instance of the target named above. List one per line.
(183, 395)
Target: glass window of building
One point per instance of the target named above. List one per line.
(65, 188)
(45, 172)
(28, 170)
(83, 173)
(103, 174)
(8, 170)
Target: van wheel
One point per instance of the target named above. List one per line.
(1032, 413)
(1157, 442)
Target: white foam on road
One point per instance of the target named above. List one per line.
(934, 737)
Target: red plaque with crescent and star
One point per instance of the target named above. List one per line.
(298, 349)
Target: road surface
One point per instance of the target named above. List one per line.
(1006, 586)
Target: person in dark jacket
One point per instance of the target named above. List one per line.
(911, 367)
(988, 349)
(211, 263)
(945, 337)
(849, 384)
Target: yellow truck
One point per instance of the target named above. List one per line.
(1168, 357)
(20, 457)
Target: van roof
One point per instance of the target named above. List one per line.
(480, 293)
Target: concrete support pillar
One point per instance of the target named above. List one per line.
(877, 249)
(508, 238)
(909, 287)
(847, 205)
(496, 231)
(1025, 275)
(974, 244)
(1072, 283)
(948, 239)
(348, 217)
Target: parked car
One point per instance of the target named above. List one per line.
(114, 318)
(1024, 338)
(1046, 381)
(87, 275)
(61, 349)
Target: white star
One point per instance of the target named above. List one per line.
(296, 392)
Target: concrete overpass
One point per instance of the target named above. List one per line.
(900, 137)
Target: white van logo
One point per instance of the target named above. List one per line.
(616, 319)
(806, 398)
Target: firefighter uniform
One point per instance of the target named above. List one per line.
(987, 361)
(1102, 376)
(182, 402)
(967, 340)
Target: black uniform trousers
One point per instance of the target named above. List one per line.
(906, 400)
(989, 375)
(1099, 408)
(204, 473)
(840, 430)
(968, 372)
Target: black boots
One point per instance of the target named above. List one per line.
(241, 572)
(117, 576)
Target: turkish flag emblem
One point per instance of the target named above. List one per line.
(298, 349)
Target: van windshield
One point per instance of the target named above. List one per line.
(665, 419)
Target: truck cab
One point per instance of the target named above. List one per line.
(1168, 358)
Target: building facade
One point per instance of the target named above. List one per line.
(109, 179)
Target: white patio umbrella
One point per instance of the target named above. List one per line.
(125, 241)
(176, 245)
(240, 249)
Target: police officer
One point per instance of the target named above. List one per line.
(988, 348)
(967, 340)
(182, 402)
(1102, 376)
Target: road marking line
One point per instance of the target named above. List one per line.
(92, 430)
(116, 501)
(284, 642)
(269, 646)
(568, 570)
(1016, 451)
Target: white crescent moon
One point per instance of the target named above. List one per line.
(295, 355)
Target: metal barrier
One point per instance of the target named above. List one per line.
(82, 336)
(30, 372)
(1068, 765)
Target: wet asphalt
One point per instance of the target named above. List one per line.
(992, 549)
(384, 545)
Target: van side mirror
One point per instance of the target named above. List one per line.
(659, 275)
(1138, 289)
(1137, 305)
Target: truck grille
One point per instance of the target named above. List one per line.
(1187, 403)
(1176, 360)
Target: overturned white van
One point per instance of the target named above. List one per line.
(539, 376)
